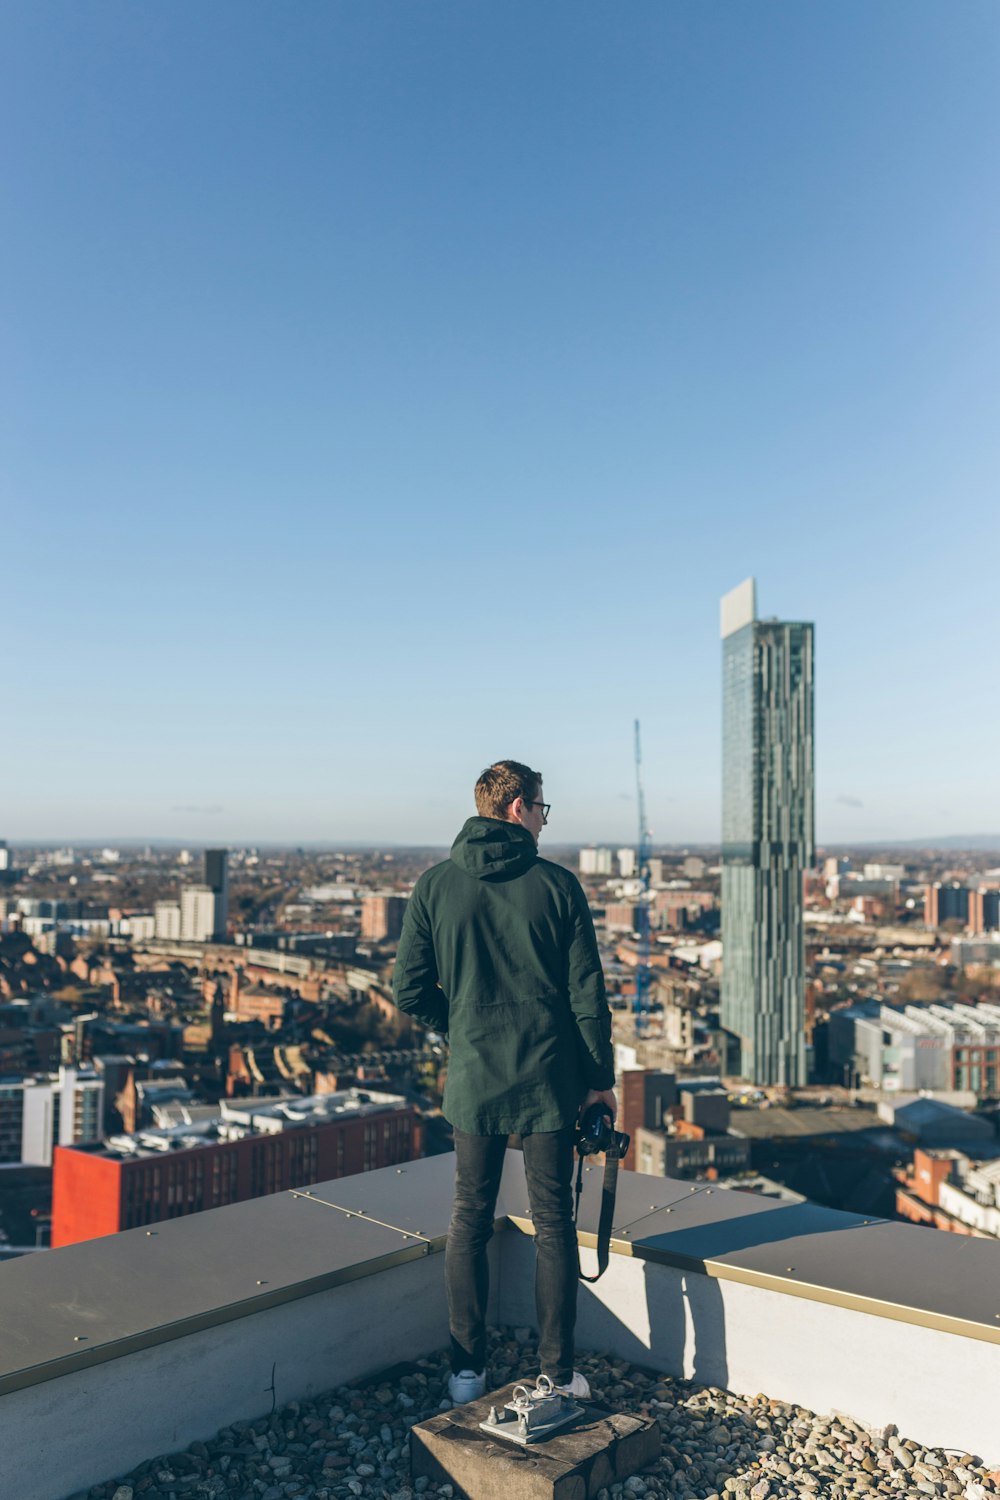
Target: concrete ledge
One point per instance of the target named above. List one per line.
(65, 1434)
(887, 1322)
(69, 1309)
(889, 1270)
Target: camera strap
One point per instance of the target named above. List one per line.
(608, 1189)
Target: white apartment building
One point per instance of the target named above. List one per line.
(977, 1201)
(628, 864)
(198, 903)
(167, 920)
(141, 926)
(63, 1109)
(596, 862)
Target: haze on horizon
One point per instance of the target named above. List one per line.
(390, 389)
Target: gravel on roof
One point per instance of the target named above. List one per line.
(351, 1444)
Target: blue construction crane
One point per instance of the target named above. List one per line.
(640, 1006)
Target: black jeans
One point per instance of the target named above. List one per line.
(548, 1167)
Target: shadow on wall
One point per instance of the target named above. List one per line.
(682, 1330)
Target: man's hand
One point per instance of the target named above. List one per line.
(607, 1098)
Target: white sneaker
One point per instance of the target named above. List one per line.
(467, 1386)
(579, 1387)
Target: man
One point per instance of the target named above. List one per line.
(498, 950)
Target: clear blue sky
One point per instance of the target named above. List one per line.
(388, 388)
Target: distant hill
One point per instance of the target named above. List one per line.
(956, 841)
(970, 841)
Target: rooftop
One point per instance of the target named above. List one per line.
(762, 1124)
(232, 1120)
(352, 1440)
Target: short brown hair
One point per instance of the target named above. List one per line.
(502, 783)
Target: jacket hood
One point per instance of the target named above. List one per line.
(490, 849)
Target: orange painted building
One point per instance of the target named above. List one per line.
(918, 1190)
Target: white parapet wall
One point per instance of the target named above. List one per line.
(85, 1426)
(940, 1388)
(121, 1349)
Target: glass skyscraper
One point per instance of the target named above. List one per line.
(767, 834)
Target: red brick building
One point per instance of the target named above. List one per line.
(648, 1100)
(100, 1192)
(382, 918)
(918, 1190)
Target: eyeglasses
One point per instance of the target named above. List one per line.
(545, 806)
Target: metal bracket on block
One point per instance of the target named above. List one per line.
(531, 1416)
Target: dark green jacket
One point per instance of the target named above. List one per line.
(498, 950)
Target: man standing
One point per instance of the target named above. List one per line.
(498, 950)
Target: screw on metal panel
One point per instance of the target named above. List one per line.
(399, 1171)
(668, 1210)
(151, 1234)
(262, 1283)
(79, 1338)
(708, 1190)
(350, 1216)
(789, 1268)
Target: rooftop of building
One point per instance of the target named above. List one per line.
(762, 1124)
(233, 1119)
(915, 1115)
(954, 1023)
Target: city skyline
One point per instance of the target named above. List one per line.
(394, 389)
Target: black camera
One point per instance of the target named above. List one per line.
(596, 1134)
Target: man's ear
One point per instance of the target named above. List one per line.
(515, 810)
